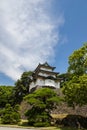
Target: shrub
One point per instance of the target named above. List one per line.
(42, 102)
(75, 121)
(39, 118)
(10, 115)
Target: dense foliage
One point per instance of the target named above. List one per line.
(74, 121)
(22, 87)
(5, 95)
(64, 77)
(75, 89)
(78, 61)
(10, 115)
(42, 101)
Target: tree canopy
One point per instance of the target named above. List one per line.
(5, 95)
(75, 89)
(42, 100)
(78, 61)
(22, 87)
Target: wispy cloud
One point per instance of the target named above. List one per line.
(27, 35)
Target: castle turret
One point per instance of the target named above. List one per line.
(44, 76)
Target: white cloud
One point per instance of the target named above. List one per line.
(27, 35)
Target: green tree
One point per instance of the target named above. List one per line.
(75, 91)
(10, 115)
(75, 88)
(5, 95)
(78, 61)
(64, 77)
(42, 100)
(22, 87)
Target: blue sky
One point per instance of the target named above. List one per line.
(74, 29)
(34, 31)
